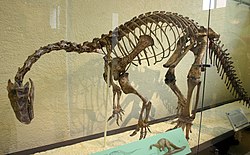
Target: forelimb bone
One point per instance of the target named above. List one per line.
(118, 69)
(117, 110)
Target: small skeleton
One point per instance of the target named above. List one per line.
(165, 143)
(120, 152)
(149, 37)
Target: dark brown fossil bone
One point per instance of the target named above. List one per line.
(151, 36)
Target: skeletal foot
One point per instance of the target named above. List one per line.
(143, 127)
(184, 123)
(118, 112)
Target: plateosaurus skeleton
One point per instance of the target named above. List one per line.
(150, 37)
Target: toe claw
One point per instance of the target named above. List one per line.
(110, 118)
(117, 121)
(149, 129)
(134, 133)
(143, 127)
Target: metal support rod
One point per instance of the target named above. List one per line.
(106, 105)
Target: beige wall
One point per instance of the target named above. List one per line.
(70, 91)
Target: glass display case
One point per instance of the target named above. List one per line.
(72, 101)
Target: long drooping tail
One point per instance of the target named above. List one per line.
(221, 59)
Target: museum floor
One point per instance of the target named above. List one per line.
(214, 125)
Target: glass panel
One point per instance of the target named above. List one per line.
(25, 26)
(70, 92)
(231, 21)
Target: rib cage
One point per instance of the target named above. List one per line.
(221, 59)
(164, 27)
(170, 27)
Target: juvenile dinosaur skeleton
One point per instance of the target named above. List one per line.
(165, 143)
(150, 37)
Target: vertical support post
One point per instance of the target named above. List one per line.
(114, 25)
(68, 37)
(106, 104)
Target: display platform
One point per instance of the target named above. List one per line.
(167, 143)
(215, 124)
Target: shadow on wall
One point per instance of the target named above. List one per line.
(87, 97)
(152, 85)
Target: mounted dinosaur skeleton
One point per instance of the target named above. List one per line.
(148, 37)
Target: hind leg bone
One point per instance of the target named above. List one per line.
(142, 125)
